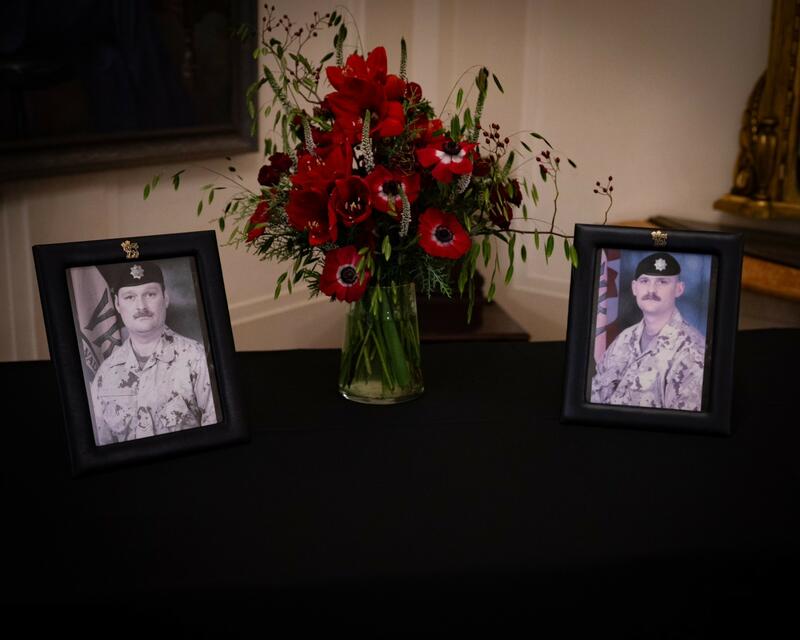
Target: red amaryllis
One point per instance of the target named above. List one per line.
(384, 185)
(339, 278)
(314, 172)
(307, 210)
(279, 165)
(428, 131)
(441, 235)
(501, 202)
(350, 201)
(258, 221)
(371, 69)
(359, 86)
(395, 88)
(391, 120)
(448, 158)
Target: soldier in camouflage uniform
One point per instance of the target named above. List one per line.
(157, 381)
(659, 361)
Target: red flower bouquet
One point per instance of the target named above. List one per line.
(367, 191)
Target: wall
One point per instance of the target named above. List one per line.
(651, 92)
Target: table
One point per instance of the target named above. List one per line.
(469, 507)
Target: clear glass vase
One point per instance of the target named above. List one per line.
(381, 361)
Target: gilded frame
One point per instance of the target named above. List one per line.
(766, 183)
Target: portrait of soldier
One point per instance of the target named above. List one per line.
(659, 361)
(157, 381)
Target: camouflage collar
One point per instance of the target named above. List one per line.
(164, 351)
(665, 338)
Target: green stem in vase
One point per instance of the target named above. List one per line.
(393, 344)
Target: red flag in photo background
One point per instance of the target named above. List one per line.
(606, 328)
(97, 323)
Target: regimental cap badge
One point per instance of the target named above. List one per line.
(132, 275)
(658, 264)
(659, 238)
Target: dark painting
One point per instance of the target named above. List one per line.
(92, 84)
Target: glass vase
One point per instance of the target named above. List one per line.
(381, 361)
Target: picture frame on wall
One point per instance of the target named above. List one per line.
(140, 337)
(135, 83)
(651, 330)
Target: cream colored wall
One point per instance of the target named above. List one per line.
(651, 92)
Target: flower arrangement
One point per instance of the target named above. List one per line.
(370, 189)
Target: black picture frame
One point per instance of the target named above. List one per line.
(53, 262)
(34, 67)
(714, 416)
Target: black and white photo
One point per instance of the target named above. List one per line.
(141, 331)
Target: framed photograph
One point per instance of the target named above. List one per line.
(651, 330)
(135, 83)
(140, 336)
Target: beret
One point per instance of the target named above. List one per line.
(658, 264)
(132, 274)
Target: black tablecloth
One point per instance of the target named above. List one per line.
(469, 504)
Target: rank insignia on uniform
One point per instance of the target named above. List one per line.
(137, 272)
(660, 264)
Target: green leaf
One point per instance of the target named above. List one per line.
(251, 109)
(146, 191)
(572, 164)
(507, 166)
(534, 194)
(536, 238)
(386, 248)
(524, 211)
(455, 128)
(256, 53)
(210, 196)
(487, 250)
(524, 144)
(490, 295)
(497, 82)
(548, 247)
(566, 248)
(462, 277)
(509, 273)
(222, 223)
(542, 138)
(155, 180)
(523, 253)
(481, 80)
(459, 98)
(199, 207)
(511, 244)
(468, 123)
(176, 179)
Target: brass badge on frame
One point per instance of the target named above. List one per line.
(659, 238)
(131, 249)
